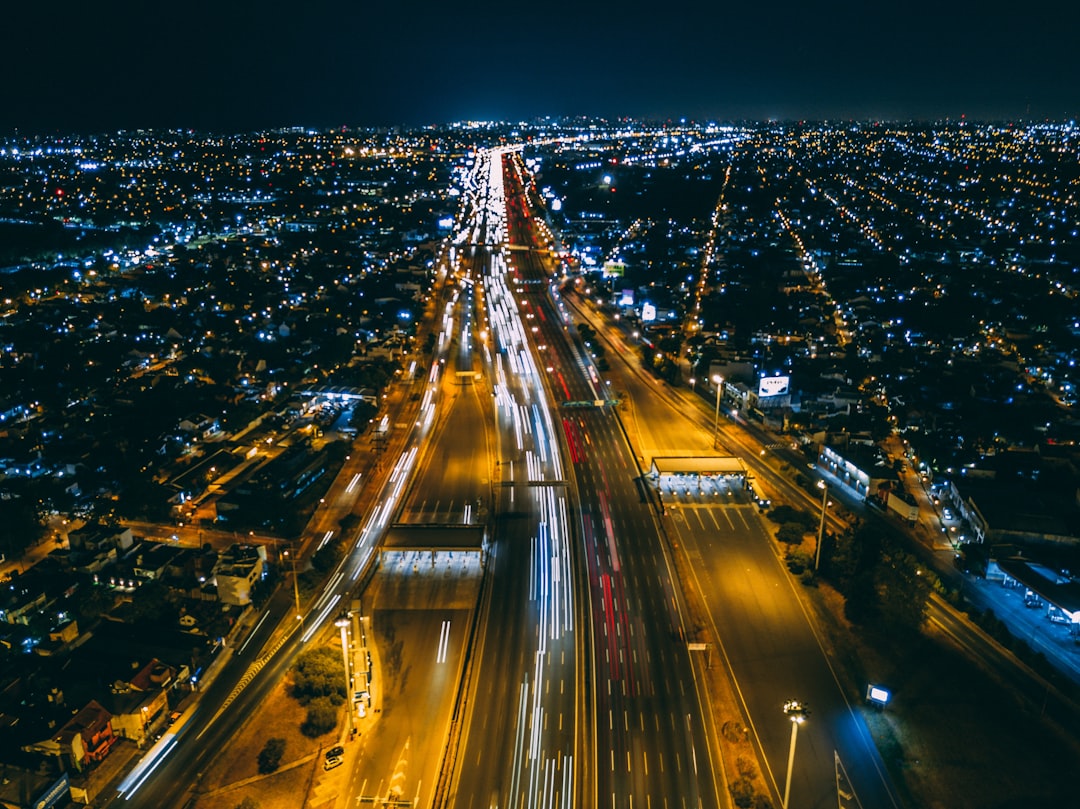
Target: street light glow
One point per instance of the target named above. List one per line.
(797, 712)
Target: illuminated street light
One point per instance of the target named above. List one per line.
(821, 525)
(797, 712)
(342, 623)
(295, 584)
(719, 382)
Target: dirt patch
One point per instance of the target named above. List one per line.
(235, 776)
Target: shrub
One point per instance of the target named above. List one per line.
(270, 755)
(321, 718)
(790, 533)
(319, 673)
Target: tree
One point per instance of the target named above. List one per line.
(362, 413)
(270, 755)
(319, 673)
(248, 803)
(787, 514)
(790, 533)
(903, 588)
(322, 716)
(327, 557)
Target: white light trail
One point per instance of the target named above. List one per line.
(444, 643)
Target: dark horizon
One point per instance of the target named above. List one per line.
(248, 67)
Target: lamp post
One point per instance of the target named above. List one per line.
(295, 584)
(342, 623)
(797, 712)
(821, 525)
(719, 382)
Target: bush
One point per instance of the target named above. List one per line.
(319, 673)
(321, 718)
(799, 561)
(783, 513)
(790, 533)
(270, 755)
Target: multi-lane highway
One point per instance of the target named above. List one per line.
(520, 745)
(650, 737)
(756, 616)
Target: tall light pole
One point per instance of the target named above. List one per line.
(295, 584)
(719, 382)
(342, 623)
(797, 712)
(821, 525)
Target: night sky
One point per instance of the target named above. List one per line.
(236, 65)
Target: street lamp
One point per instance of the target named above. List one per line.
(295, 584)
(821, 525)
(719, 382)
(797, 712)
(342, 623)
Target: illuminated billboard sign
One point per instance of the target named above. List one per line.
(626, 298)
(614, 269)
(54, 794)
(772, 386)
(648, 312)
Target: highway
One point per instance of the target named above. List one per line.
(757, 619)
(651, 741)
(520, 741)
(421, 600)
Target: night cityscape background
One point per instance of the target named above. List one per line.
(539, 407)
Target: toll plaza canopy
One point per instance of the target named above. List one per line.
(428, 537)
(697, 465)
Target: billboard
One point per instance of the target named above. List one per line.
(648, 312)
(614, 269)
(626, 298)
(54, 794)
(773, 386)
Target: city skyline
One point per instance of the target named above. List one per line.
(248, 67)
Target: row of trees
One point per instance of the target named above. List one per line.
(882, 583)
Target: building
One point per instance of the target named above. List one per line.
(236, 572)
(84, 740)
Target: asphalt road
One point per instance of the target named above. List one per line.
(421, 609)
(757, 620)
(520, 742)
(651, 741)
(769, 643)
